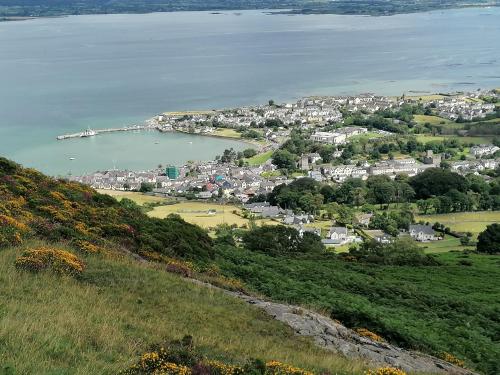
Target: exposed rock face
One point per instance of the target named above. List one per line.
(339, 339)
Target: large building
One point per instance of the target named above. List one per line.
(172, 172)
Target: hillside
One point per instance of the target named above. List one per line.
(104, 304)
(101, 323)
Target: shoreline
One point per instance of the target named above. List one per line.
(287, 11)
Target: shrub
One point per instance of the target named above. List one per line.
(488, 241)
(386, 371)
(45, 258)
(452, 359)
(87, 247)
(12, 231)
(371, 335)
(181, 358)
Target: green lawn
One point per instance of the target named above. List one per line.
(102, 323)
(449, 243)
(259, 159)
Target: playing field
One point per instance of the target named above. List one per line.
(137, 197)
(206, 215)
(474, 222)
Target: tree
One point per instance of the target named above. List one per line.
(488, 241)
(284, 159)
(249, 152)
(280, 240)
(146, 187)
(437, 181)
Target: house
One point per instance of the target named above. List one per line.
(297, 219)
(379, 236)
(302, 229)
(483, 150)
(422, 233)
(338, 233)
(204, 195)
(331, 138)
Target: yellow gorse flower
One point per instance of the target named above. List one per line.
(386, 371)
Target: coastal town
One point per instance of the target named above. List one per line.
(346, 138)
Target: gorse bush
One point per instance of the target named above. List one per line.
(33, 205)
(181, 358)
(46, 258)
(386, 371)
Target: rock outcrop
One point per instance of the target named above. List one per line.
(337, 338)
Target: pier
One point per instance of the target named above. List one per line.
(91, 133)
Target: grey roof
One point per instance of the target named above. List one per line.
(426, 229)
(338, 230)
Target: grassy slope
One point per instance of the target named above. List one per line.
(451, 308)
(259, 158)
(53, 325)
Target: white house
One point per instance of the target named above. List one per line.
(422, 233)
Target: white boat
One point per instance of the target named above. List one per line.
(71, 158)
(88, 133)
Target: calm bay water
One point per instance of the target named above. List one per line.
(63, 75)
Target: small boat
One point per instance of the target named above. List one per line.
(190, 142)
(157, 143)
(71, 158)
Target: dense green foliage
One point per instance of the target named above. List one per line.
(402, 252)
(33, 205)
(451, 307)
(281, 240)
(489, 240)
(436, 181)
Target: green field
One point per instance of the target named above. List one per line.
(474, 222)
(433, 120)
(449, 243)
(225, 132)
(464, 140)
(137, 197)
(198, 213)
(259, 159)
(102, 323)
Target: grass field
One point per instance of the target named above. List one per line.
(102, 323)
(229, 133)
(449, 243)
(433, 120)
(259, 158)
(474, 222)
(429, 138)
(137, 197)
(426, 98)
(197, 213)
